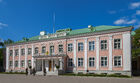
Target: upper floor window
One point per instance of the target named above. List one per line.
(91, 62)
(60, 48)
(36, 50)
(16, 63)
(70, 62)
(51, 49)
(23, 51)
(70, 47)
(43, 49)
(117, 61)
(11, 52)
(103, 61)
(16, 52)
(29, 51)
(10, 63)
(91, 45)
(117, 43)
(80, 62)
(103, 44)
(22, 63)
(80, 46)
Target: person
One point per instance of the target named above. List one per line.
(44, 71)
(26, 71)
(33, 71)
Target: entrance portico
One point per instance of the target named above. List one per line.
(50, 64)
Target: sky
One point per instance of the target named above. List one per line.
(26, 18)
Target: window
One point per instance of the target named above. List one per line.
(29, 51)
(36, 50)
(70, 47)
(91, 62)
(103, 44)
(16, 52)
(22, 63)
(29, 63)
(51, 49)
(80, 47)
(117, 43)
(70, 62)
(10, 63)
(91, 45)
(43, 49)
(60, 48)
(80, 62)
(23, 51)
(117, 61)
(11, 52)
(103, 61)
(16, 63)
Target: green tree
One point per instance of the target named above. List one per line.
(136, 43)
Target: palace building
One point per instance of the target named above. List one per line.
(95, 49)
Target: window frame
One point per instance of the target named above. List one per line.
(92, 45)
(22, 64)
(70, 47)
(36, 50)
(114, 44)
(70, 62)
(105, 46)
(10, 63)
(11, 53)
(16, 63)
(23, 51)
(29, 63)
(117, 63)
(51, 49)
(60, 49)
(16, 52)
(29, 52)
(80, 47)
(104, 62)
(92, 60)
(81, 61)
(43, 50)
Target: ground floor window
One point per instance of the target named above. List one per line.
(16, 63)
(91, 62)
(22, 63)
(104, 61)
(117, 61)
(70, 62)
(10, 63)
(29, 63)
(80, 62)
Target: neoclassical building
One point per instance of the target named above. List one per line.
(100, 49)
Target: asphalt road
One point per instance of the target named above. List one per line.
(13, 78)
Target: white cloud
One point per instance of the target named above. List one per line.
(124, 21)
(112, 12)
(135, 5)
(138, 12)
(2, 25)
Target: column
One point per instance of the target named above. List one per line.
(7, 58)
(97, 53)
(13, 58)
(32, 56)
(25, 56)
(42, 66)
(75, 67)
(85, 54)
(127, 51)
(19, 57)
(110, 52)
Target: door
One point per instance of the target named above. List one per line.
(50, 65)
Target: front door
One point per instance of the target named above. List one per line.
(50, 65)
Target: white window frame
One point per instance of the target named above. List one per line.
(69, 62)
(80, 62)
(36, 50)
(114, 60)
(93, 60)
(11, 53)
(43, 49)
(62, 48)
(16, 63)
(80, 47)
(71, 47)
(91, 45)
(101, 61)
(29, 52)
(104, 44)
(10, 63)
(23, 51)
(30, 63)
(22, 63)
(16, 52)
(120, 43)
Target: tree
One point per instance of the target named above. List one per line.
(136, 43)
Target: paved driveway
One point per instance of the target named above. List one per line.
(11, 78)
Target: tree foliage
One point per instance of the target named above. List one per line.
(136, 43)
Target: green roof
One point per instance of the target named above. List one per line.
(133, 33)
(80, 31)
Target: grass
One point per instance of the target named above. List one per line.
(12, 73)
(96, 75)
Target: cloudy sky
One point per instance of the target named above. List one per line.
(26, 18)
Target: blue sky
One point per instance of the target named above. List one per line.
(26, 18)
